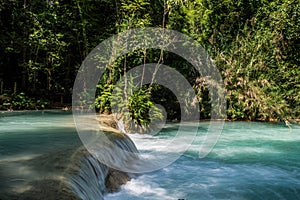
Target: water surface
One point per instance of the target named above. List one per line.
(250, 161)
(35, 148)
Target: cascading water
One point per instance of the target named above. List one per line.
(121, 126)
(90, 182)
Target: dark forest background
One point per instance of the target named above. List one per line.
(255, 44)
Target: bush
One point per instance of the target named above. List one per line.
(21, 102)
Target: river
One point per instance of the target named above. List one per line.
(251, 160)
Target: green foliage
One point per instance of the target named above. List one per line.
(134, 14)
(260, 75)
(140, 104)
(255, 44)
(43, 43)
(21, 102)
(134, 105)
(103, 99)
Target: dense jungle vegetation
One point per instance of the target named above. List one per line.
(255, 44)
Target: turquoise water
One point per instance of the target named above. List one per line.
(34, 146)
(250, 160)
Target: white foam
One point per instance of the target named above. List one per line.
(143, 187)
(139, 187)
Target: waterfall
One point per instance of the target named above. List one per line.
(121, 126)
(89, 183)
(126, 144)
(89, 180)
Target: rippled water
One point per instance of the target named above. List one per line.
(250, 161)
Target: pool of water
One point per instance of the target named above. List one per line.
(34, 146)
